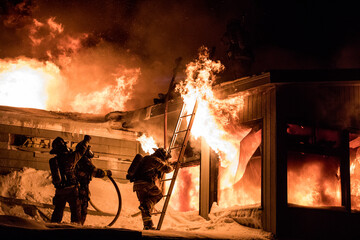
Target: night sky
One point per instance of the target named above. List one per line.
(152, 34)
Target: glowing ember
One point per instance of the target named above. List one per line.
(25, 83)
(147, 143)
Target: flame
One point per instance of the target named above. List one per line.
(215, 121)
(49, 36)
(54, 26)
(147, 143)
(30, 83)
(355, 173)
(110, 98)
(185, 196)
(53, 83)
(316, 182)
(215, 118)
(25, 82)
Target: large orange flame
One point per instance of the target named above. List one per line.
(110, 98)
(53, 83)
(185, 196)
(213, 117)
(26, 82)
(147, 143)
(312, 184)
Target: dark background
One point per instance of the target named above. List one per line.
(152, 34)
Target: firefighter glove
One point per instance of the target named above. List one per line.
(99, 173)
(108, 173)
(89, 153)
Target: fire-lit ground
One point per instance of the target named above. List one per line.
(35, 186)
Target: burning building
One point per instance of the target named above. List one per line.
(295, 141)
(277, 151)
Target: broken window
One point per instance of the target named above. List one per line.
(354, 152)
(313, 166)
(241, 185)
(24, 141)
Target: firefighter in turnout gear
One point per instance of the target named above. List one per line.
(84, 172)
(62, 168)
(148, 193)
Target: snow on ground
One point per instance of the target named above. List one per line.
(35, 186)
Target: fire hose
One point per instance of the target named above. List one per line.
(119, 205)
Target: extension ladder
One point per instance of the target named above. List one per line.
(182, 148)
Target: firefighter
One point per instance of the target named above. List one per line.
(148, 193)
(62, 168)
(84, 172)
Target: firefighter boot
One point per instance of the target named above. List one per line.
(148, 225)
(146, 217)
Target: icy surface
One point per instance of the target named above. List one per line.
(35, 186)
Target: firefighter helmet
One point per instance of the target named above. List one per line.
(162, 153)
(59, 146)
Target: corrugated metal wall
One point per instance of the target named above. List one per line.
(260, 105)
(332, 105)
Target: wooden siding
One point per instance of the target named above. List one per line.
(113, 154)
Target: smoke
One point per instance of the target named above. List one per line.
(91, 40)
(349, 55)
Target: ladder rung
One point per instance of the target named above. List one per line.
(180, 158)
(187, 115)
(180, 146)
(168, 179)
(156, 213)
(181, 131)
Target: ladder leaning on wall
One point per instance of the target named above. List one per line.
(183, 114)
